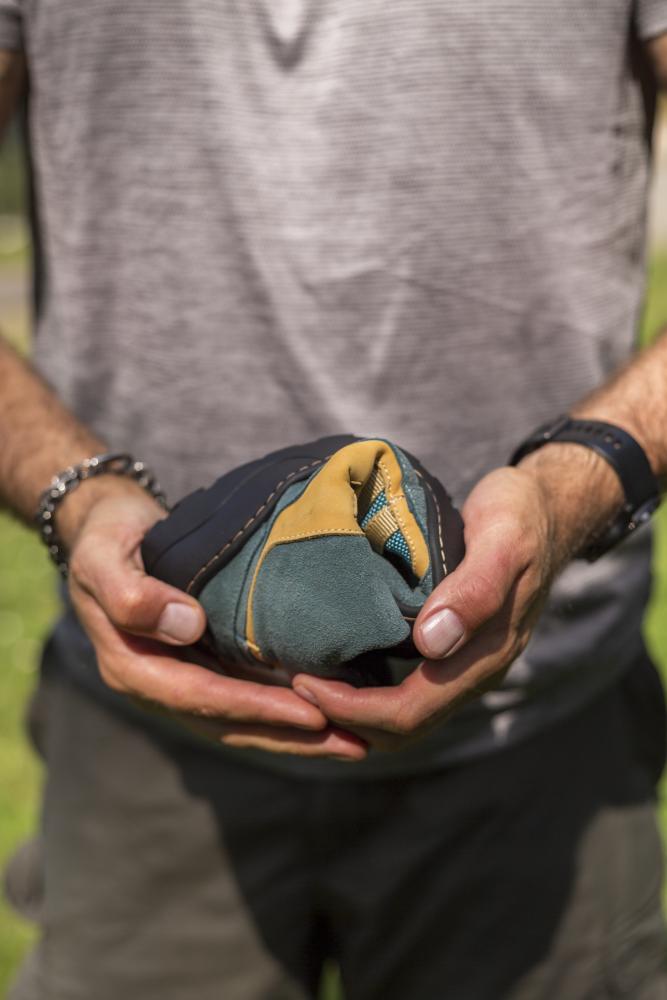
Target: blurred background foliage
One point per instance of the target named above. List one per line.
(27, 582)
(28, 601)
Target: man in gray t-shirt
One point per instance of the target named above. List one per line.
(260, 223)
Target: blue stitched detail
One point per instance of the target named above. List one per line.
(397, 544)
(377, 505)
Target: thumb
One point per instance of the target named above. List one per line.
(473, 594)
(133, 601)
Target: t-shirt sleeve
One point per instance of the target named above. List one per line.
(651, 18)
(11, 33)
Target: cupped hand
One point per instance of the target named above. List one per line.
(518, 531)
(140, 627)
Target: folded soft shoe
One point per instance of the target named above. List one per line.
(317, 557)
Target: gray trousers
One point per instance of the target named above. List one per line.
(173, 873)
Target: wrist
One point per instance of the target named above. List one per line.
(117, 476)
(580, 491)
(637, 428)
(76, 508)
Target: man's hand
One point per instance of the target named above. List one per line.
(138, 625)
(133, 620)
(521, 526)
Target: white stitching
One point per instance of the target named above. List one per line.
(218, 555)
(437, 511)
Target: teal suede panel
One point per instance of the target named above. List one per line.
(222, 598)
(323, 601)
(398, 587)
(225, 596)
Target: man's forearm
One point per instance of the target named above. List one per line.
(635, 398)
(39, 437)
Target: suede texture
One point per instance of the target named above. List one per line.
(322, 602)
(225, 597)
(318, 602)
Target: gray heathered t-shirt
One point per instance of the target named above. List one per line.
(266, 221)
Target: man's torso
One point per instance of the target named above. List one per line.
(265, 222)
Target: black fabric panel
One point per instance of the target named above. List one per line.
(186, 548)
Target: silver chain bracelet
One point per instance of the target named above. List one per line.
(116, 463)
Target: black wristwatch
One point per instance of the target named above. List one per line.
(626, 457)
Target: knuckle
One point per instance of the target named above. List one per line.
(493, 595)
(111, 678)
(485, 595)
(125, 604)
(525, 551)
(406, 721)
(399, 728)
(90, 553)
(79, 566)
(529, 541)
(205, 712)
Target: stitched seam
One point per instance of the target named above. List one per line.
(241, 594)
(437, 511)
(218, 555)
(318, 534)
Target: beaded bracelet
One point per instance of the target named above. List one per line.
(116, 463)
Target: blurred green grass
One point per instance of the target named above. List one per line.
(655, 319)
(28, 605)
(12, 173)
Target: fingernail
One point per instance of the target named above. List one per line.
(305, 693)
(179, 622)
(440, 633)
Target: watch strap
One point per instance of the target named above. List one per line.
(626, 457)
